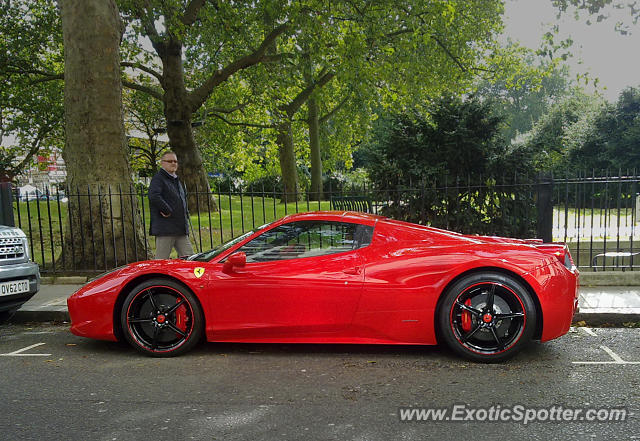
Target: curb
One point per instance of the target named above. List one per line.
(67, 280)
(610, 278)
(25, 316)
(596, 319)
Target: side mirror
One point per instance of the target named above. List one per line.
(235, 260)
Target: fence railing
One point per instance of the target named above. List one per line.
(596, 216)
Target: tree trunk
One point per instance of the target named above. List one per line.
(314, 145)
(95, 150)
(178, 114)
(287, 157)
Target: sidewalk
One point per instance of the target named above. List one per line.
(614, 305)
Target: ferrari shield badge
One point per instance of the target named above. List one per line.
(198, 272)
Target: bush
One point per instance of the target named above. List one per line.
(437, 170)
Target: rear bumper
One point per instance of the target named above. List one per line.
(557, 289)
(27, 270)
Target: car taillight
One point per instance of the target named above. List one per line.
(568, 261)
(560, 251)
(564, 256)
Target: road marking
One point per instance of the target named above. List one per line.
(613, 355)
(19, 352)
(616, 358)
(589, 331)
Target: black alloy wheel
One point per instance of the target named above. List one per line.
(487, 317)
(162, 318)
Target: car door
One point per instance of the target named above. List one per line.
(302, 280)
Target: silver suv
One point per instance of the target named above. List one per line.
(19, 276)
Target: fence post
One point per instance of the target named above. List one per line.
(6, 204)
(544, 204)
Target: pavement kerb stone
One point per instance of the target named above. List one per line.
(67, 280)
(595, 319)
(610, 278)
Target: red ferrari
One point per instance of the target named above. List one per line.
(339, 277)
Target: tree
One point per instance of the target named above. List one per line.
(527, 95)
(144, 123)
(218, 41)
(456, 145)
(457, 138)
(95, 148)
(389, 53)
(31, 110)
(600, 9)
(611, 140)
(563, 129)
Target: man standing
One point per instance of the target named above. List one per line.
(168, 206)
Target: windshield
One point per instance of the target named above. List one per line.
(206, 256)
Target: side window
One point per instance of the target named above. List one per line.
(306, 239)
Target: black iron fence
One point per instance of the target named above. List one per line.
(97, 228)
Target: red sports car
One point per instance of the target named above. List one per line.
(339, 277)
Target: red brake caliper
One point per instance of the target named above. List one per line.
(466, 317)
(181, 317)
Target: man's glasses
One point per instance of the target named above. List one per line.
(170, 161)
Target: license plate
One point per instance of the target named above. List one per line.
(14, 287)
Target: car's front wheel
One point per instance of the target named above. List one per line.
(487, 317)
(162, 318)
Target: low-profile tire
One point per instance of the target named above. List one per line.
(487, 317)
(161, 318)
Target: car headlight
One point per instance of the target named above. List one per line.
(25, 245)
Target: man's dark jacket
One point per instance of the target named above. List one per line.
(167, 194)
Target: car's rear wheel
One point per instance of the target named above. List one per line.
(161, 318)
(487, 317)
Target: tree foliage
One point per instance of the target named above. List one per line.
(562, 129)
(31, 110)
(457, 137)
(601, 9)
(584, 133)
(611, 141)
(144, 124)
(457, 145)
(385, 51)
(527, 94)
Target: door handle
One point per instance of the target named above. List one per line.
(353, 271)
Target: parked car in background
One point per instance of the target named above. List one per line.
(33, 195)
(19, 276)
(340, 277)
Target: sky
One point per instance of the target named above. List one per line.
(597, 50)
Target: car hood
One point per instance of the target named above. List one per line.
(7, 231)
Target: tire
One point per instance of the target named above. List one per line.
(474, 329)
(162, 318)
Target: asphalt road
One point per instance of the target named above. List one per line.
(71, 388)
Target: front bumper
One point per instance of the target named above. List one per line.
(91, 308)
(18, 271)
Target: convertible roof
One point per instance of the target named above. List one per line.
(349, 216)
